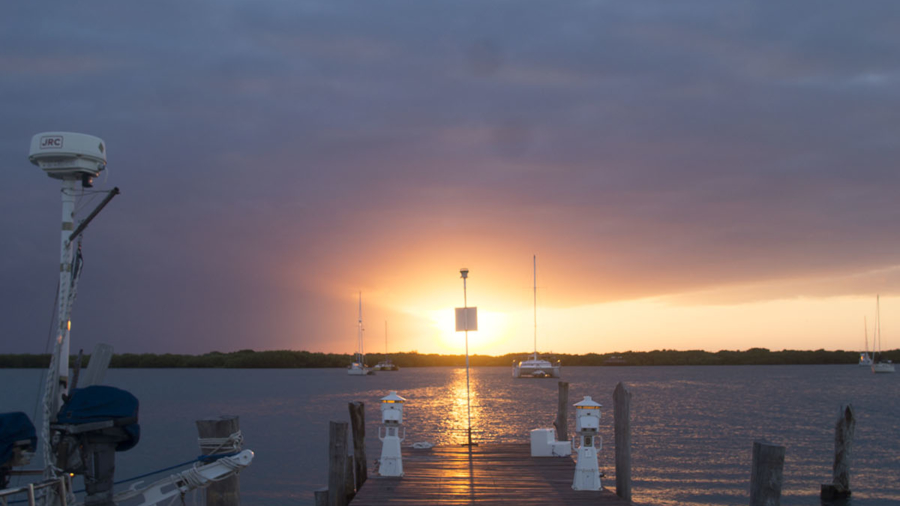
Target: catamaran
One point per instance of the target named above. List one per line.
(359, 367)
(386, 364)
(879, 366)
(535, 367)
(84, 423)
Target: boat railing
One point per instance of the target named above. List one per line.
(32, 488)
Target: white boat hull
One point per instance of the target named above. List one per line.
(883, 367)
(359, 370)
(536, 369)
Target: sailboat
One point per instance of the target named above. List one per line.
(864, 359)
(879, 366)
(359, 367)
(84, 424)
(535, 367)
(386, 364)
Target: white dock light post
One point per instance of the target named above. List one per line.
(466, 320)
(391, 463)
(587, 424)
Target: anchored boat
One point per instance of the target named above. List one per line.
(883, 365)
(535, 367)
(359, 367)
(864, 359)
(386, 364)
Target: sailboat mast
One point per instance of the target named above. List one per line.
(534, 260)
(359, 337)
(877, 338)
(866, 334)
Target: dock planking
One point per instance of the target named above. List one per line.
(491, 474)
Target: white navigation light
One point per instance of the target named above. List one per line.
(391, 463)
(392, 408)
(68, 155)
(587, 416)
(587, 424)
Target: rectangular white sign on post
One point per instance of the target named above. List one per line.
(466, 318)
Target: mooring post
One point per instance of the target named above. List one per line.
(349, 488)
(358, 426)
(843, 441)
(221, 435)
(562, 413)
(622, 416)
(337, 463)
(322, 497)
(766, 475)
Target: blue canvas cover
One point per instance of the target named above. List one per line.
(100, 403)
(15, 427)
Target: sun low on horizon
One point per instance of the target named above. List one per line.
(509, 321)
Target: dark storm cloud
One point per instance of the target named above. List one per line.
(263, 146)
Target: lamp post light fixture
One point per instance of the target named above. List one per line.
(392, 419)
(466, 320)
(587, 424)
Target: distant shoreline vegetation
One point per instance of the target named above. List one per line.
(287, 359)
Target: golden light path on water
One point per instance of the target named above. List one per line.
(692, 427)
(453, 403)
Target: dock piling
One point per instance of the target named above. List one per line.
(562, 413)
(337, 463)
(349, 489)
(622, 417)
(766, 475)
(322, 497)
(358, 427)
(844, 430)
(214, 430)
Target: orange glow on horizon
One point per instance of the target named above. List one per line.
(649, 324)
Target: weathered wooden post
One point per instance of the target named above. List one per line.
(766, 475)
(322, 497)
(562, 413)
(622, 415)
(358, 426)
(843, 441)
(221, 435)
(349, 488)
(337, 463)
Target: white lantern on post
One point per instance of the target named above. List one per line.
(587, 425)
(391, 463)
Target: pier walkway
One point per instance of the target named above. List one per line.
(488, 475)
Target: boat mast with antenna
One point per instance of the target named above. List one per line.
(75, 159)
(534, 263)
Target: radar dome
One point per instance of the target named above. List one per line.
(68, 155)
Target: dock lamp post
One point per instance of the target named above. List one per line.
(391, 463)
(466, 320)
(587, 424)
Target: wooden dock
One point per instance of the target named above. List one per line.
(492, 474)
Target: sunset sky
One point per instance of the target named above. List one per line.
(691, 175)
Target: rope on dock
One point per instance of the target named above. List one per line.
(232, 443)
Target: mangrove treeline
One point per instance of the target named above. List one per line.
(286, 359)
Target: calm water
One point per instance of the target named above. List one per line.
(692, 427)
